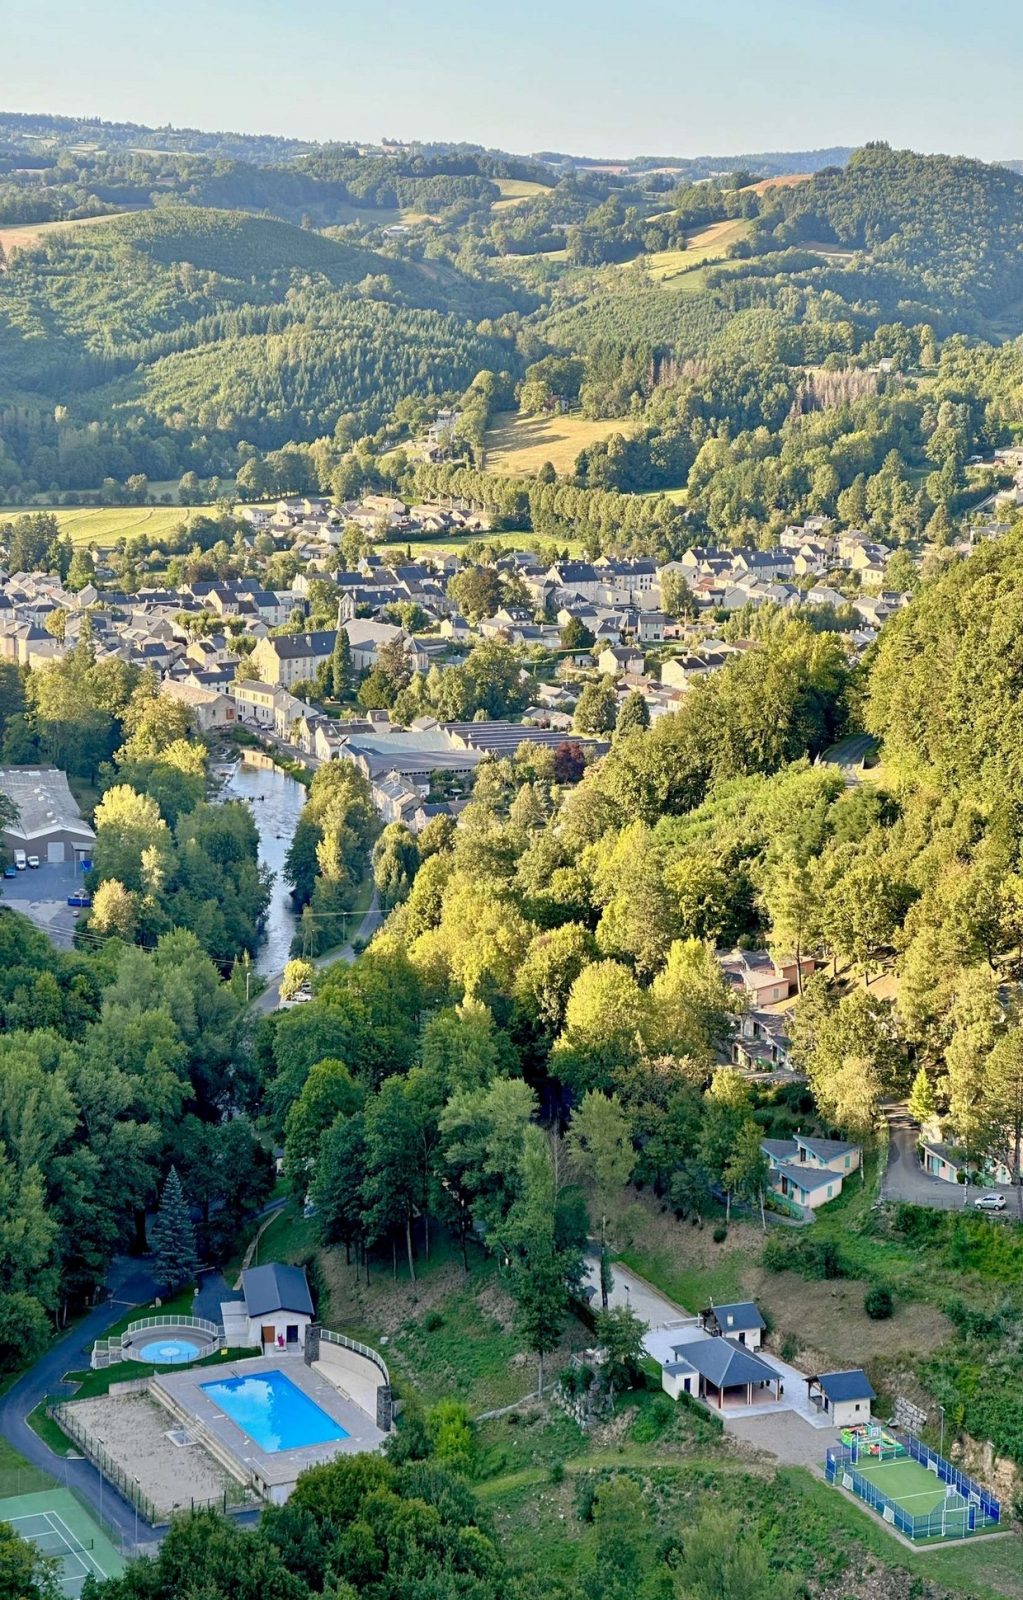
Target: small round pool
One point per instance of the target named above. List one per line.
(168, 1351)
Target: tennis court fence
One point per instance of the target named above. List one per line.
(101, 1458)
(968, 1507)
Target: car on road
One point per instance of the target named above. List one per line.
(81, 897)
(10, 872)
(990, 1202)
(33, 861)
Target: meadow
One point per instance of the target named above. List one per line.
(521, 445)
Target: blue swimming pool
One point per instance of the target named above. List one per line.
(273, 1411)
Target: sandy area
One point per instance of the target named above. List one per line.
(133, 1429)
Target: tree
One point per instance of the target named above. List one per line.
(633, 713)
(600, 1145)
(342, 672)
(114, 910)
(596, 708)
(722, 1560)
(620, 1333)
(394, 1189)
(746, 1173)
(575, 635)
(298, 975)
(542, 1263)
(174, 1237)
(921, 1104)
(676, 595)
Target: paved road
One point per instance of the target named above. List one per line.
(270, 997)
(905, 1179)
(656, 1310)
(130, 1283)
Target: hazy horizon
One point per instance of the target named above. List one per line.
(778, 75)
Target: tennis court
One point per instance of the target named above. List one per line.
(55, 1522)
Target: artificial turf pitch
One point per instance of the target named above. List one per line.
(917, 1491)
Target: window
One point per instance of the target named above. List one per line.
(829, 1191)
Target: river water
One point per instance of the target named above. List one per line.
(276, 802)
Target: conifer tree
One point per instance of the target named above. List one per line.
(173, 1237)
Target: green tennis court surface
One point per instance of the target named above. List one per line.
(910, 1485)
(61, 1527)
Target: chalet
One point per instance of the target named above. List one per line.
(765, 980)
(808, 1172)
(741, 1321)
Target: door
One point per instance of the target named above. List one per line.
(292, 1333)
(268, 1333)
(55, 852)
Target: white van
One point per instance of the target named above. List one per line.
(19, 860)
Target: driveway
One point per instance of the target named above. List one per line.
(130, 1283)
(40, 893)
(270, 998)
(655, 1309)
(905, 1179)
(789, 1437)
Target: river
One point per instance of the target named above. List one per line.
(276, 802)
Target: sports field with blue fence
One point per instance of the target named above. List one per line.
(913, 1489)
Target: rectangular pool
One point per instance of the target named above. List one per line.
(273, 1411)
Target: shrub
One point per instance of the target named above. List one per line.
(720, 1234)
(790, 1347)
(557, 1472)
(432, 1321)
(878, 1302)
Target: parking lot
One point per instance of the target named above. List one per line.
(40, 893)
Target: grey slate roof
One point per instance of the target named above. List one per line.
(276, 1288)
(723, 1362)
(839, 1386)
(743, 1315)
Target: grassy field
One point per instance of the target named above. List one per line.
(102, 526)
(523, 444)
(515, 190)
(705, 245)
(25, 234)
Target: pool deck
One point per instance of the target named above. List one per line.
(276, 1470)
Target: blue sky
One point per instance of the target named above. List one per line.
(599, 78)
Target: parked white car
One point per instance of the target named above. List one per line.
(19, 860)
(33, 861)
(990, 1202)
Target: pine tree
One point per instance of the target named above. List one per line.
(173, 1237)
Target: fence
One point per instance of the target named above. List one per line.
(360, 1349)
(123, 1481)
(113, 1349)
(978, 1511)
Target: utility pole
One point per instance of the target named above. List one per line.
(941, 1446)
